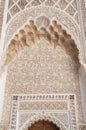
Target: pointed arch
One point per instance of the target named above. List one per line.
(48, 117)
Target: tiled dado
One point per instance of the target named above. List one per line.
(23, 113)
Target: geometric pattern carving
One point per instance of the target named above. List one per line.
(68, 6)
(21, 119)
(14, 10)
(43, 106)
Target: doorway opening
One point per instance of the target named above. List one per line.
(43, 125)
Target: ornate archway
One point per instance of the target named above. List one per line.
(53, 34)
(43, 125)
(42, 117)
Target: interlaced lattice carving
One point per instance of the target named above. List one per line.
(68, 6)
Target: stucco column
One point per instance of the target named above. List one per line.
(82, 75)
(2, 89)
(3, 19)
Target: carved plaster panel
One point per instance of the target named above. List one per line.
(21, 119)
(43, 69)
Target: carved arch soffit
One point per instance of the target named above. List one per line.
(30, 34)
(36, 118)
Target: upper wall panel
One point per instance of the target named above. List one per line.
(68, 6)
(40, 15)
(66, 12)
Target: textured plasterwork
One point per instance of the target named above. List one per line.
(83, 9)
(63, 19)
(70, 7)
(43, 69)
(31, 34)
(56, 118)
(85, 3)
(22, 119)
(2, 3)
(43, 106)
(66, 9)
(41, 65)
(62, 25)
(62, 116)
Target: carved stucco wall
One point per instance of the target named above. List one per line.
(1, 14)
(35, 62)
(82, 74)
(69, 19)
(16, 6)
(66, 15)
(58, 108)
(42, 69)
(83, 8)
